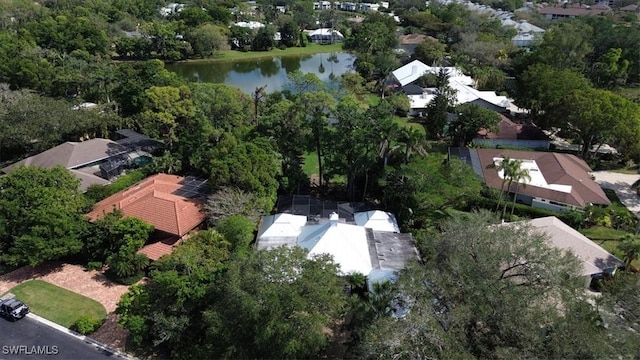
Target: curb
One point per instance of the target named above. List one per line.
(86, 339)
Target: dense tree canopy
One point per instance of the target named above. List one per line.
(491, 292)
(274, 303)
(40, 215)
(419, 191)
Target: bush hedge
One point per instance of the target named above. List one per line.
(86, 325)
(572, 218)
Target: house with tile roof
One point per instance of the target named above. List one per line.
(86, 159)
(365, 242)
(512, 134)
(558, 181)
(569, 11)
(595, 260)
(171, 203)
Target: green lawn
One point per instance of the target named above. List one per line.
(630, 92)
(608, 239)
(310, 163)
(54, 303)
(408, 122)
(227, 55)
(310, 168)
(597, 233)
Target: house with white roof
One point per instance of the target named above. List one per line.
(365, 242)
(253, 25)
(463, 85)
(172, 8)
(527, 33)
(325, 36)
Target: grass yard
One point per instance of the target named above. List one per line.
(630, 92)
(310, 168)
(54, 303)
(608, 239)
(310, 49)
(597, 233)
(409, 122)
(310, 163)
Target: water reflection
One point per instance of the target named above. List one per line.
(272, 72)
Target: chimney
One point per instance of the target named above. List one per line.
(333, 218)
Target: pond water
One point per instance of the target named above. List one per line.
(272, 72)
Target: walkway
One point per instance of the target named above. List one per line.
(621, 184)
(91, 284)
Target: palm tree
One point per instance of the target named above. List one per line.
(519, 175)
(414, 142)
(512, 168)
(502, 166)
(257, 96)
(630, 245)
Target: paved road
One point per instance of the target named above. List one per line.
(621, 184)
(30, 339)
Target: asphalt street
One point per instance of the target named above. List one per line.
(30, 339)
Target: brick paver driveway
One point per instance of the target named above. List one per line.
(91, 284)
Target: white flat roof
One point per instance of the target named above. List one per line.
(346, 243)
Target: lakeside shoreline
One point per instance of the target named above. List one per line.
(230, 55)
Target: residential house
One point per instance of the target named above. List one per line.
(326, 36)
(510, 134)
(322, 5)
(409, 42)
(365, 242)
(557, 181)
(569, 11)
(88, 159)
(368, 7)
(172, 8)
(458, 81)
(253, 25)
(595, 261)
(172, 204)
(526, 32)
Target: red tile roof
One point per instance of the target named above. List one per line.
(158, 249)
(508, 130)
(154, 200)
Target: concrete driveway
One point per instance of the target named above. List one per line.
(621, 184)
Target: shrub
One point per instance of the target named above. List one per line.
(129, 280)
(86, 325)
(94, 265)
(96, 193)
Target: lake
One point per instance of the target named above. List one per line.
(251, 73)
